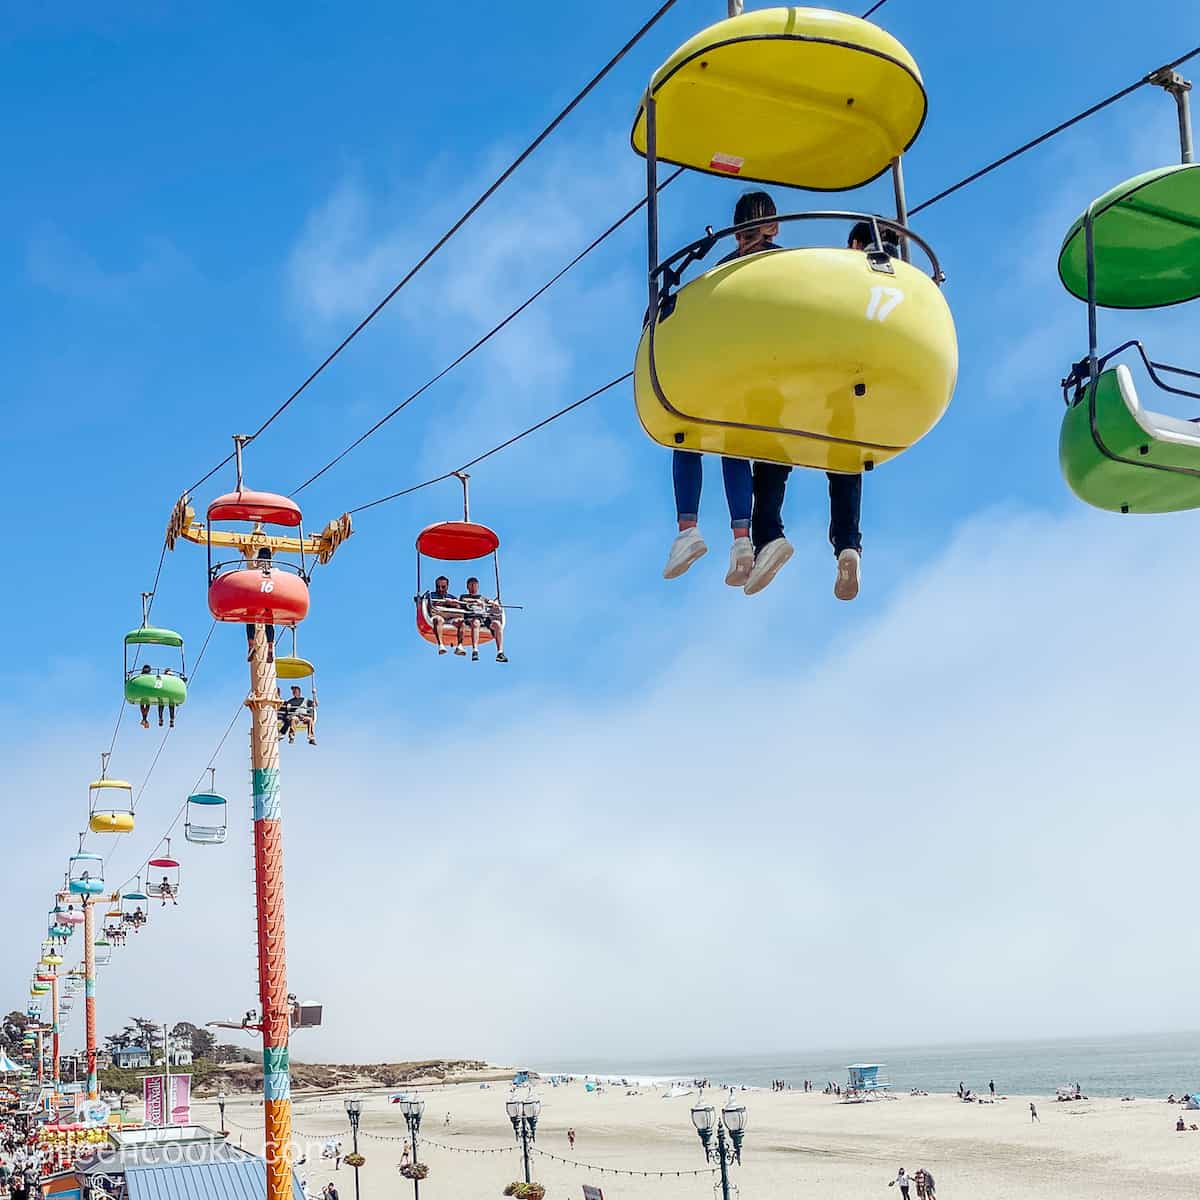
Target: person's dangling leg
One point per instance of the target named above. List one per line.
(144, 709)
(845, 536)
(475, 639)
(249, 643)
(771, 548)
(160, 714)
(270, 631)
(687, 474)
(739, 495)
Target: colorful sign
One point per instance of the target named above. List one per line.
(154, 1097)
(181, 1099)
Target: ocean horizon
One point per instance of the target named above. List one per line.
(1132, 1065)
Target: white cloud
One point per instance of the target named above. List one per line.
(981, 785)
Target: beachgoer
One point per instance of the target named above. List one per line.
(929, 1186)
(902, 1182)
(297, 710)
(264, 563)
(442, 608)
(480, 612)
(1181, 1126)
(405, 1153)
(771, 549)
(331, 1192)
(1033, 1114)
(167, 892)
(571, 1138)
(960, 1089)
(687, 466)
(992, 1086)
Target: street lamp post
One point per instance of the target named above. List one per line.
(524, 1117)
(354, 1112)
(221, 1106)
(733, 1120)
(413, 1108)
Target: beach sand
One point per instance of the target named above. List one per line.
(795, 1145)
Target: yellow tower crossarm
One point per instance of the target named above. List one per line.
(321, 546)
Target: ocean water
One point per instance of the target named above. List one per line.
(1144, 1065)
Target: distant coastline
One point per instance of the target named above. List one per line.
(1147, 1065)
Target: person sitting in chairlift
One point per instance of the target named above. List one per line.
(443, 607)
(771, 549)
(263, 561)
(480, 612)
(167, 892)
(687, 468)
(297, 710)
(169, 705)
(144, 709)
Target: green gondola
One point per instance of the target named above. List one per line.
(151, 684)
(1136, 247)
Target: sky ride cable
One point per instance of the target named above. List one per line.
(495, 329)
(1050, 133)
(486, 195)
(554, 416)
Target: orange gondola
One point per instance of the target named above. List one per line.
(454, 541)
(257, 588)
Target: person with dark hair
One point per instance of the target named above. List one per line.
(771, 548)
(263, 561)
(443, 607)
(481, 613)
(687, 468)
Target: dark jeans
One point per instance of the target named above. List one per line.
(687, 470)
(270, 632)
(845, 507)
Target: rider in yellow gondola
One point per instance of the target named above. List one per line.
(686, 465)
(771, 549)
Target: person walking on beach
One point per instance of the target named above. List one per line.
(992, 1087)
(928, 1184)
(1033, 1113)
(902, 1182)
(571, 1137)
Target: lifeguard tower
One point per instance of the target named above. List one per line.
(864, 1082)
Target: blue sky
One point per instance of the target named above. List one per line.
(200, 205)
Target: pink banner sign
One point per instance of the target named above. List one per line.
(181, 1099)
(155, 1100)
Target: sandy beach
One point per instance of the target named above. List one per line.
(795, 1145)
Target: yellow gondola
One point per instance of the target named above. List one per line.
(110, 805)
(818, 357)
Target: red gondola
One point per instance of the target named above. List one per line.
(454, 541)
(257, 588)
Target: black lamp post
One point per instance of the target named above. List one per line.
(524, 1117)
(733, 1120)
(221, 1106)
(354, 1112)
(413, 1109)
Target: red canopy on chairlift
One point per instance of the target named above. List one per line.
(457, 541)
(245, 505)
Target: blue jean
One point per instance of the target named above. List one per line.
(687, 470)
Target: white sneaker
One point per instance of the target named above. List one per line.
(741, 562)
(685, 549)
(767, 564)
(849, 566)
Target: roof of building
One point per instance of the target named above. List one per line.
(244, 1180)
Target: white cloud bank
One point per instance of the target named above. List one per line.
(973, 816)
